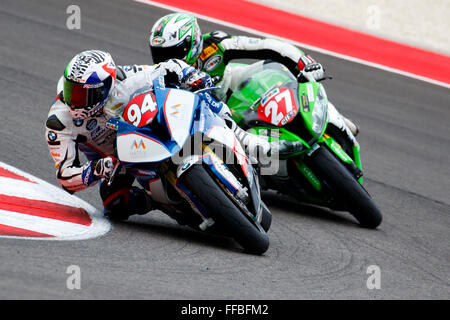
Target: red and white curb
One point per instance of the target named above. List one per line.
(31, 208)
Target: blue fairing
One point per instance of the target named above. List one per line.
(202, 119)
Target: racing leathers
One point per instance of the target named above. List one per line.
(67, 136)
(219, 48)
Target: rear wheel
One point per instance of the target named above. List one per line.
(347, 189)
(224, 211)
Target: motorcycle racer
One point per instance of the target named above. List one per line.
(91, 85)
(178, 35)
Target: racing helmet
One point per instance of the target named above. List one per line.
(176, 35)
(87, 82)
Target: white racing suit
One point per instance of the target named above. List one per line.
(66, 137)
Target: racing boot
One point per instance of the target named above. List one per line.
(121, 200)
(256, 147)
(260, 149)
(342, 129)
(347, 126)
(354, 128)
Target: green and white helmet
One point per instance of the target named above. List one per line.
(176, 35)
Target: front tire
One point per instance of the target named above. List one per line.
(224, 211)
(346, 187)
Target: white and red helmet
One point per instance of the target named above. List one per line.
(88, 80)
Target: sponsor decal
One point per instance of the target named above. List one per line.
(185, 166)
(87, 176)
(213, 104)
(95, 85)
(78, 122)
(51, 136)
(310, 92)
(209, 51)
(305, 104)
(213, 62)
(139, 149)
(138, 145)
(96, 133)
(269, 95)
(254, 41)
(310, 176)
(91, 124)
(112, 126)
(340, 152)
(288, 117)
(176, 111)
(158, 41)
(161, 82)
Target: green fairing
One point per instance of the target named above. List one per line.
(240, 100)
(245, 101)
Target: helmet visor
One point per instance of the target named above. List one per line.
(160, 54)
(85, 96)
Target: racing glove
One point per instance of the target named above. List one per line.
(311, 69)
(103, 168)
(195, 80)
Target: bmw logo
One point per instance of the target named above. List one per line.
(52, 136)
(78, 122)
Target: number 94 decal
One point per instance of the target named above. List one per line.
(141, 110)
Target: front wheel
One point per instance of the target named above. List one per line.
(347, 189)
(224, 211)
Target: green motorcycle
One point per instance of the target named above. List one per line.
(323, 166)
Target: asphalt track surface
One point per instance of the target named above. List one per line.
(314, 253)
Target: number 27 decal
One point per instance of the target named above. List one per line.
(278, 108)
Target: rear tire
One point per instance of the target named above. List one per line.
(355, 197)
(224, 212)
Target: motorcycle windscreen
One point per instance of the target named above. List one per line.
(179, 107)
